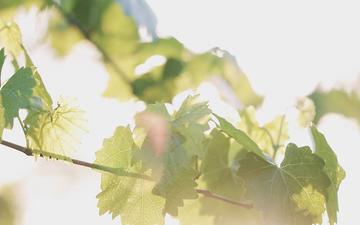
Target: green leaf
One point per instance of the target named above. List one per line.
(292, 194)
(191, 121)
(219, 175)
(272, 134)
(57, 130)
(177, 177)
(217, 171)
(239, 136)
(2, 59)
(336, 101)
(177, 181)
(16, 94)
(130, 198)
(332, 169)
(10, 38)
(173, 167)
(41, 97)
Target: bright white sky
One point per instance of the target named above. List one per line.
(285, 47)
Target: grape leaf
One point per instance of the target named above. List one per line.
(240, 136)
(336, 101)
(219, 175)
(291, 194)
(332, 169)
(16, 94)
(130, 198)
(173, 171)
(217, 172)
(173, 168)
(177, 180)
(57, 130)
(191, 121)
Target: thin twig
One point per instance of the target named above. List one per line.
(209, 194)
(117, 171)
(73, 21)
(279, 137)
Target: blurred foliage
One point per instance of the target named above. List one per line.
(336, 101)
(8, 208)
(116, 36)
(177, 151)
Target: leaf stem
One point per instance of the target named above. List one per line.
(23, 130)
(279, 137)
(115, 171)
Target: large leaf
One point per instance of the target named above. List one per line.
(292, 194)
(130, 198)
(332, 169)
(17, 93)
(219, 175)
(217, 171)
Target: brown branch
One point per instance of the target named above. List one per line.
(209, 194)
(116, 171)
(73, 21)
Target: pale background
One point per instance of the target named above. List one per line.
(285, 47)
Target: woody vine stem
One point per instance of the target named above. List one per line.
(115, 171)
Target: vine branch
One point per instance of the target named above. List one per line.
(73, 21)
(116, 171)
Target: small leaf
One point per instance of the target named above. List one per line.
(239, 136)
(336, 101)
(130, 198)
(10, 38)
(16, 94)
(307, 112)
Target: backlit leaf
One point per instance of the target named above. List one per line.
(16, 94)
(130, 198)
(332, 169)
(292, 194)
